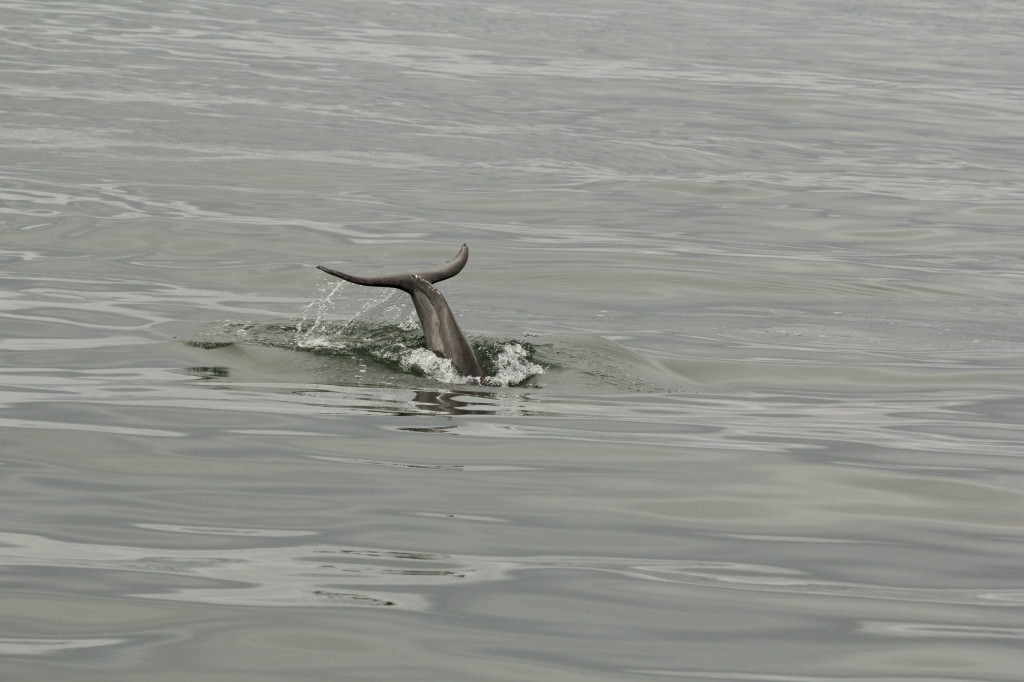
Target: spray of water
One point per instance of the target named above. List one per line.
(312, 330)
(317, 309)
(511, 363)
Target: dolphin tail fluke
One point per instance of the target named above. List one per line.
(404, 280)
(442, 332)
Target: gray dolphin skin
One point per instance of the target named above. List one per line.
(439, 326)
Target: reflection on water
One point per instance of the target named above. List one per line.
(451, 402)
(209, 372)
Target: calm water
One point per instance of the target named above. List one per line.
(768, 257)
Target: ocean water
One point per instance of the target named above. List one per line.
(747, 279)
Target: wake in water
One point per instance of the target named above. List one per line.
(398, 342)
(382, 344)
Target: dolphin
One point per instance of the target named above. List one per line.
(439, 326)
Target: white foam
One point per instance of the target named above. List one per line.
(513, 366)
(433, 366)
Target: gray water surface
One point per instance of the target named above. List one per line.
(766, 257)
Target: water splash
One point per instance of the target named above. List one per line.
(394, 338)
(513, 366)
(432, 365)
(319, 333)
(321, 304)
(510, 366)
